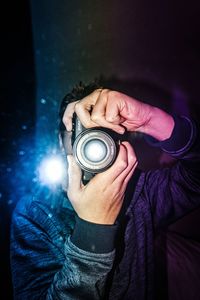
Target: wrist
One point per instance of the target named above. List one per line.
(88, 236)
(160, 124)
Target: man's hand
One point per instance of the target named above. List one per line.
(117, 111)
(101, 199)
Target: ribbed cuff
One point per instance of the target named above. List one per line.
(181, 139)
(92, 237)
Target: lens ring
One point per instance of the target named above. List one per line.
(86, 137)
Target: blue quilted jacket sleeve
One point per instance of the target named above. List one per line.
(46, 264)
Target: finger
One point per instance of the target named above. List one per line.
(74, 177)
(113, 110)
(84, 115)
(116, 169)
(131, 163)
(67, 142)
(84, 107)
(99, 108)
(122, 185)
(68, 115)
(129, 175)
(99, 112)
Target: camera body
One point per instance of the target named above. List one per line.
(95, 149)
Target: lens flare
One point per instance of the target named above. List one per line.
(51, 170)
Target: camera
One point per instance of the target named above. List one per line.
(95, 149)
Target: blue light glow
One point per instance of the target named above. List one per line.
(51, 170)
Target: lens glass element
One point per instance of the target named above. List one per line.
(95, 150)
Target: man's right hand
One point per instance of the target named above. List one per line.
(118, 111)
(108, 109)
(101, 199)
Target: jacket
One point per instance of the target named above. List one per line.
(57, 255)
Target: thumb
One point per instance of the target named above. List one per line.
(74, 176)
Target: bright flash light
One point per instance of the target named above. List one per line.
(51, 170)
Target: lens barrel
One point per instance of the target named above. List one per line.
(94, 150)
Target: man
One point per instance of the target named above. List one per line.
(102, 248)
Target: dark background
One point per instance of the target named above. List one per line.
(149, 49)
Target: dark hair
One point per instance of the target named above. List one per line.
(78, 92)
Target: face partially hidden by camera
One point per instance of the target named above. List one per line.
(95, 149)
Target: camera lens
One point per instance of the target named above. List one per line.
(95, 150)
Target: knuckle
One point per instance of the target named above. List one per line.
(105, 91)
(122, 164)
(110, 118)
(95, 117)
(86, 122)
(77, 106)
(89, 124)
(132, 159)
(70, 105)
(113, 94)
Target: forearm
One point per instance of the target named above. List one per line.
(183, 142)
(56, 269)
(87, 264)
(83, 275)
(160, 124)
(175, 191)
